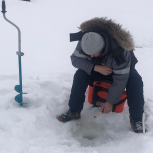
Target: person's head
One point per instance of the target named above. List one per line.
(92, 44)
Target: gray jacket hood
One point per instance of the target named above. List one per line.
(122, 37)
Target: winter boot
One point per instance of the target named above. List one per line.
(69, 115)
(136, 125)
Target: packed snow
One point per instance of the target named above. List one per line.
(48, 75)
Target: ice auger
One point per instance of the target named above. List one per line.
(18, 88)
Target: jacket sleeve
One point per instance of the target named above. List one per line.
(81, 61)
(120, 78)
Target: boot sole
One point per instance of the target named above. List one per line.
(60, 119)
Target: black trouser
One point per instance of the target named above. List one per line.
(134, 90)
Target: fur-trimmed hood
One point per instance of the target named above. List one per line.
(120, 35)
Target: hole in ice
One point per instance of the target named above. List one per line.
(88, 134)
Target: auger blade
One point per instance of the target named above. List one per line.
(18, 98)
(18, 88)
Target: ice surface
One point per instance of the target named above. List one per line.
(48, 75)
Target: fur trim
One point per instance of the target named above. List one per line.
(121, 36)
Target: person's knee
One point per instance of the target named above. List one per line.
(135, 79)
(138, 81)
(80, 74)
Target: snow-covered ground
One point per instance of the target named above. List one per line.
(48, 75)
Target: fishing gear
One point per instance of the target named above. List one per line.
(18, 88)
(97, 114)
(143, 123)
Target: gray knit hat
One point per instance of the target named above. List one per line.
(92, 43)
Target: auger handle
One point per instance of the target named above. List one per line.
(3, 7)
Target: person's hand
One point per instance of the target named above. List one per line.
(103, 69)
(107, 107)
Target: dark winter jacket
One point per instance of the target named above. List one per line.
(117, 54)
